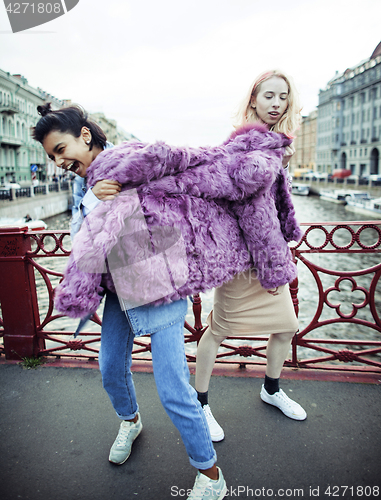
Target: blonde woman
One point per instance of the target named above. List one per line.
(243, 306)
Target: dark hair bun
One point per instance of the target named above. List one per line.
(45, 109)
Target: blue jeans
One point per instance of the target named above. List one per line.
(165, 324)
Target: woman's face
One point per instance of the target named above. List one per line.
(271, 102)
(69, 152)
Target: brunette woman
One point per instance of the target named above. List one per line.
(74, 142)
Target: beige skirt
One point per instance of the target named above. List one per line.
(243, 307)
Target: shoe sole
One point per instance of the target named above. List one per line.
(121, 463)
(218, 438)
(293, 417)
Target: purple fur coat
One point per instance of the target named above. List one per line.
(227, 208)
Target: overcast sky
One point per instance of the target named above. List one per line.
(176, 70)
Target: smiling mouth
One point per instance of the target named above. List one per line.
(73, 167)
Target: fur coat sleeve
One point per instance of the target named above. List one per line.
(245, 165)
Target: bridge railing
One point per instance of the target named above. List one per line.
(337, 298)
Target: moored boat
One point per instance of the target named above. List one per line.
(340, 195)
(371, 207)
(300, 189)
(33, 224)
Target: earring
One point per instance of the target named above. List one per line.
(87, 142)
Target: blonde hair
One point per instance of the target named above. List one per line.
(289, 121)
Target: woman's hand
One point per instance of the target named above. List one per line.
(288, 153)
(107, 189)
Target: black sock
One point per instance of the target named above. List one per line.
(203, 397)
(271, 384)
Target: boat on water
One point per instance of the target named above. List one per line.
(371, 207)
(300, 189)
(340, 195)
(32, 224)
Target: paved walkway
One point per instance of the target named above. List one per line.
(57, 426)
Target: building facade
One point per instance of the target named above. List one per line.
(21, 157)
(349, 120)
(114, 134)
(305, 144)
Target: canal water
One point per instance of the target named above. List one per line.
(308, 209)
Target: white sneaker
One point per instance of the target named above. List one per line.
(280, 399)
(206, 488)
(216, 431)
(128, 432)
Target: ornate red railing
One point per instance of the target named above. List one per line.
(339, 273)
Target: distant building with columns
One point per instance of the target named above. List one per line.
(114, 133)
(349, 120)
(23, 159)
(19, 153)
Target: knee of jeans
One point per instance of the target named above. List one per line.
(166, 397)
(109, 371)
(173, 399)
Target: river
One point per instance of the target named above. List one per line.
(308, 209)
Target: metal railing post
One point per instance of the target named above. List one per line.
(294, 288)
(18, 295)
